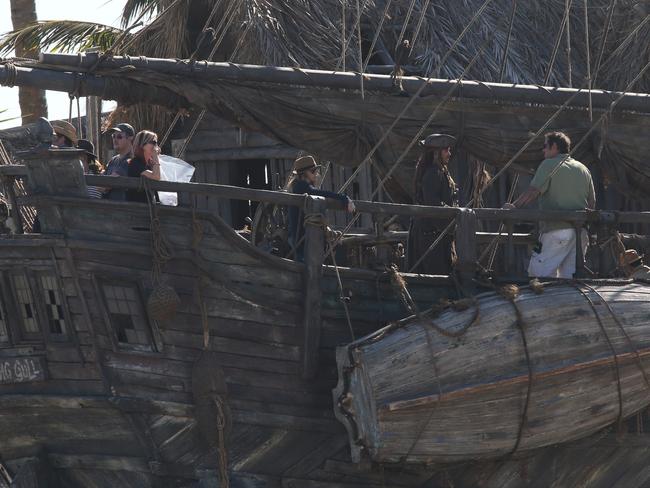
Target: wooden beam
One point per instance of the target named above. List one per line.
(203, 70)
(466, 225)
(313, 274)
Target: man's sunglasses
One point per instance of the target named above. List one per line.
(118, 136)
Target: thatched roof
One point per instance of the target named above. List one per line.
(309, 34)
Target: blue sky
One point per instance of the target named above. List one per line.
(101, 11)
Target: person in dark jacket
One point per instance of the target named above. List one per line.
(303, 180)
(433, 185)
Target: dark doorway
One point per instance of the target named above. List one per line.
(248, 173)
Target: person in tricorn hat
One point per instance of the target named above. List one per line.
(631, 262)
(303, 180)
(122, 136)
(65, 135)
(433, 185)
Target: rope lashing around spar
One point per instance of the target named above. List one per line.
(12, 74)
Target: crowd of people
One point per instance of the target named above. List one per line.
(560, 183)
(136, 155)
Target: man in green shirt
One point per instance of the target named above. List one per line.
(560, 183)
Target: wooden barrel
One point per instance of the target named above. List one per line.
(414, 392)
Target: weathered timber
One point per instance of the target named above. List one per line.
(471, 405)
(203, 70)
(466, 225)
(315, 209)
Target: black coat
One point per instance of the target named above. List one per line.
(436, 188)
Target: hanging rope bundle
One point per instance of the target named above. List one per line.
(163, 300)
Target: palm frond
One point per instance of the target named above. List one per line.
(134, 8)
(60, 36)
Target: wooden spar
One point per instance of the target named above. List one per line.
(316, 208)
(202, 70)
(92, 85)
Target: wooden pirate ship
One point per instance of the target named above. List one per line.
(145, 345)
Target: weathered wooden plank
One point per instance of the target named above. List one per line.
(226, 345)
(314, 250)
(287, 422)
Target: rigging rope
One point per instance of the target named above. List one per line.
(414, 97)
(568, 49)
(423, 15)
(588, 51)
(377, 34)
(542, 129)
(608, 24)
(558, 39)
(405, 24)
(506, 49)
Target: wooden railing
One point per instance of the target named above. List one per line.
(467, 236)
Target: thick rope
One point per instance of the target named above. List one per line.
(222, 449)
(606, 27)
(568, 50)
(506, 49)
(416, 34)
(320, 220)
(519, 322)
(12, 74)
(161, 249)
(345, 40)
(616, 368)
(623, 331)
(588, 51)
(558, 39)
(405, 23)
(377, 34)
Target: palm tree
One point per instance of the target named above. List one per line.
(32, 100)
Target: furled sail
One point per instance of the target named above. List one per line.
(503, 374)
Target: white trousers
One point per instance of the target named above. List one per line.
(558, 256)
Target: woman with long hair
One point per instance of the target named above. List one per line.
(144, 163)
(303, 180)
(433, 185)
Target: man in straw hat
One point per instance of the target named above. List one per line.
(434, 186)
(631, 262)
(303, 180)
(560, 183)
(65, 135)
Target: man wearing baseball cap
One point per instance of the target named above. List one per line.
(122, 135)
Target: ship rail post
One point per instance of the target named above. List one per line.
(466, 249)
(313, 275)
